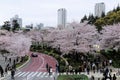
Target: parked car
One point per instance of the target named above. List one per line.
(34, 55)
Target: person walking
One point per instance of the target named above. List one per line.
(110, 62)
(6, 69)
(114, 77)
(5, 58)
(88, 70)
(47, 67)
(92, 78)
(1, 71)
(93, 67)
(49, 71)
(9, 60)
(12, 74)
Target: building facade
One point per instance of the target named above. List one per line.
(19, 20)
(62, 17)
(99, 9)
(40, 26)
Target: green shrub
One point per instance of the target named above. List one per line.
(72, 77)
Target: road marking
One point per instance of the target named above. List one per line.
(39, 74)
(34, 74)
(47, 75)
(29, 76)
(26, 74)
(21, 74)
(43, 62)
(43, 74)
(18, 73)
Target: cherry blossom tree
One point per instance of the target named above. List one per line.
(15, 43)
(110, 37)
(81, 38)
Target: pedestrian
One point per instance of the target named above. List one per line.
(12, 73)
(47, 66)
(114, 77)
(106, 71)
(54, 77)
(14, 62)
(17, 59)
(93, 66)
(14, 65)
(88, 70)
(1, 71)
(110, 62)
(10, 60)
(49, 71)
(6, 69)
(76, 71)
(8, 66)
(92, 78)
(5, 58)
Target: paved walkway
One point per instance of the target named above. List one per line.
(4, 63)
(96, 75)
(99, 75)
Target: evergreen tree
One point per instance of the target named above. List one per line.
(118, 8)
(84, 18)
(103, 14)
(15, 25)
(91, 19)
(6, 26)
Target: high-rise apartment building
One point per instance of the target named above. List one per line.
(19, 20)
(61, 17)
(99, 9)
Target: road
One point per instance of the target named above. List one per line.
(36, 69)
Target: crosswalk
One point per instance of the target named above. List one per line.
(35, 74)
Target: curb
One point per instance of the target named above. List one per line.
(24, 63)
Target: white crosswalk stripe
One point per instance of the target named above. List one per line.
(39, 74)
(29, 75)
(47, 75)
(18, 73)
(43, 74)
(34, 74)
(26, 74)
(21, 74)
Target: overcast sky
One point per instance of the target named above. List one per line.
(45, 11)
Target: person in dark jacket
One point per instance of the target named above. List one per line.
(1, 71)
(12, 73)
(114, 77)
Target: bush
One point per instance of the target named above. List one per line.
(72, 77)
(22, 62)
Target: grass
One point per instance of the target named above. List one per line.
(21, 63)
(72, 77)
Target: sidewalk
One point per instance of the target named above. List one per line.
(96, 75)
(99, 75)
(9, 73)
(5, 76)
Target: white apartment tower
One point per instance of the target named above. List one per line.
(61, 17)
(99, 9)
(19, 20)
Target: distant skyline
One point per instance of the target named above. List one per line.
(45, 11)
